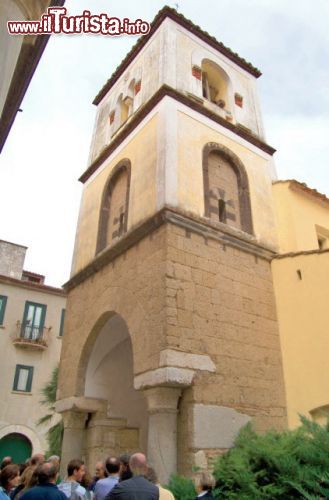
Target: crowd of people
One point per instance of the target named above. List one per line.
(118, 478)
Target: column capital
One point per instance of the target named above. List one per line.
(169, 376)
(81, 404)
(74, 419)
(162, 399)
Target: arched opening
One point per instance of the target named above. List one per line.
(320, 415)
(129, 98)
(223, 191)
(109, 376)
(125, 105)
(215, 84)
(17, 446)
(124, 109)
(226, 188)
(114, 210)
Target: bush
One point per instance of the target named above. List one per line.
(181, 487)
(291, 464)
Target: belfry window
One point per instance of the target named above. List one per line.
(114, 210)
(215, 83)
(125, 105)
(226, 190)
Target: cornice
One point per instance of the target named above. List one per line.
(295, 185)
(32, 286)
(300, 253)
(164, 91)
(168, 12)
(168, 215)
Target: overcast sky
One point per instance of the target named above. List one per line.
(47, 149)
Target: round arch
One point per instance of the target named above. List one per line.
(242, 180)
(124, 166)
(27, 434)
(107, 372)
(216, 85)
(17, 446)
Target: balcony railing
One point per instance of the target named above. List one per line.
(31, 336)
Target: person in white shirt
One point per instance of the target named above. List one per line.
(71, 487)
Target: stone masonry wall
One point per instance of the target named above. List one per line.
(180, 291)
(133, 286)
(109, 438)
(220, 303)
(12, 258)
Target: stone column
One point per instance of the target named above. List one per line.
(74, 429)
(162, 430)
(74, 411)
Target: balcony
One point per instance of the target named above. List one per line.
(31, 337)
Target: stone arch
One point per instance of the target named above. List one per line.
(124, 304)
(123, 108)
(216, 84)
(17, 446)
(81, 333)
(107, 374)
(242, 184)
(83, 361)
(320, 414)
(28, 433)
(130, 96)
(120, 176)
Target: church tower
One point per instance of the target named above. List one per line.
(171, 341)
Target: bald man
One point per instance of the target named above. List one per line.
(136, 488)
(46, 488)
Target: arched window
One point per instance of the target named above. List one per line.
(122, 111)
(114, 210)
(226, 190)
(125, 105)
(215, 84)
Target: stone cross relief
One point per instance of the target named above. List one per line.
(118, 223)
(222, 207)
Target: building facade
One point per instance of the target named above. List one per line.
(31, 327)
(300, 276)
(19, 57)
(171, 338)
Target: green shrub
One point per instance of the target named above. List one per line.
(54, 434)
(181, 487)
(291, 464)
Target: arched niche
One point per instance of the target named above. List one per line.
(113, 218)
(109, 373)
(216, 85)
(226, 188)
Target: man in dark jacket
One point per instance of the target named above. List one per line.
(46, 489)
(136, 488)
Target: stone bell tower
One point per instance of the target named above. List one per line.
(171, 341)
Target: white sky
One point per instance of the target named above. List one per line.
(48, 146)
